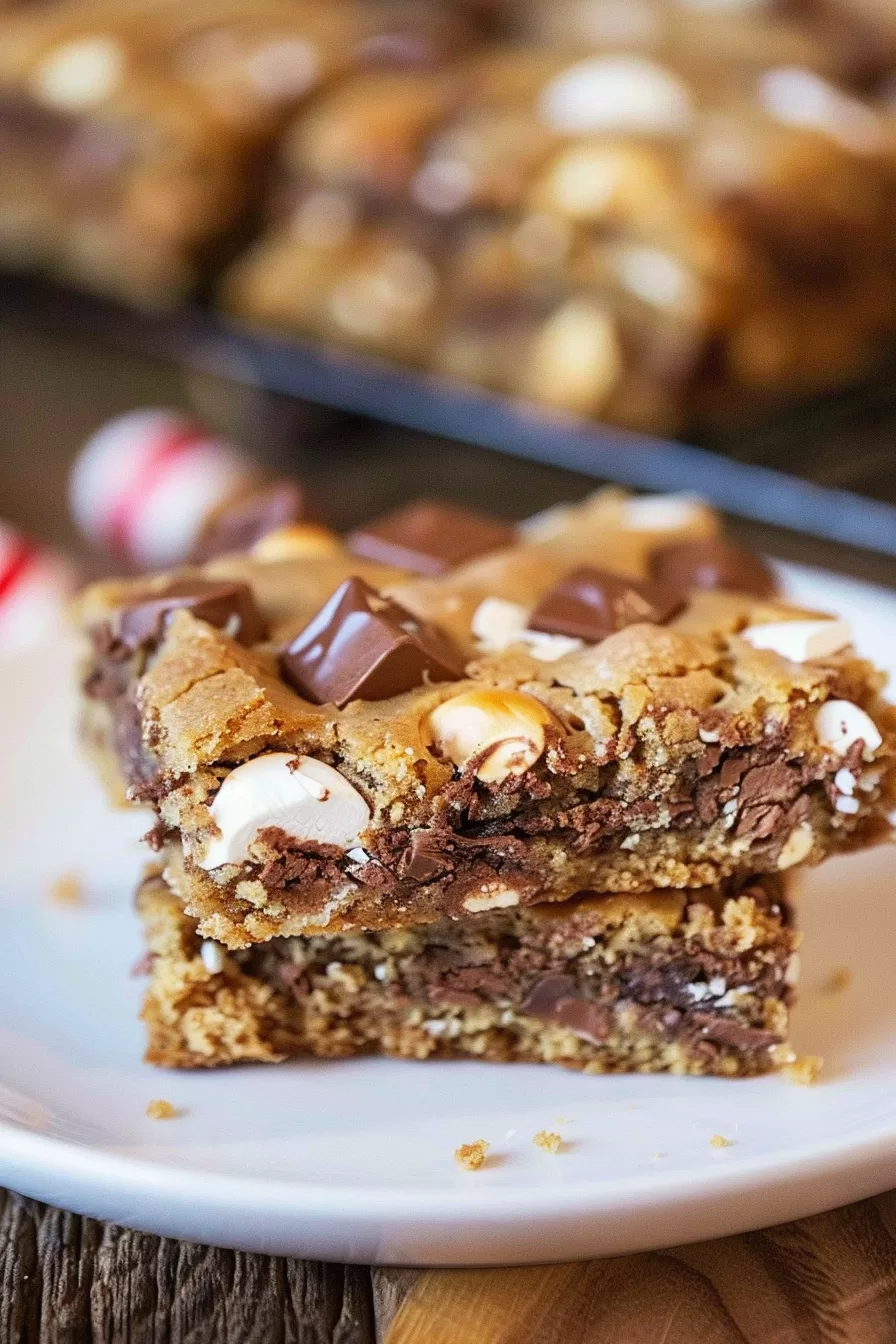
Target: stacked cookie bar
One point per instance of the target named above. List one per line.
(453, 788)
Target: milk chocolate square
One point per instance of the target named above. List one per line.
(428, 537)
(229, 606)
(591, 604)
(362, 646)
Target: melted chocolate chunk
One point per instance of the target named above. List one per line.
(248, 518)
(591, 604)
(429, 538)
(361, 646)
(229, 606)
(553, 998)
(712, 564)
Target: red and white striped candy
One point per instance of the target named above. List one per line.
(144, 485)
(34, 589)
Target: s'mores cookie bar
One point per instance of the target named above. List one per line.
(617, 702)
(670, 981)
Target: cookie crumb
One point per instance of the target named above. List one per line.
(804, 1070)
(67, 890)
(548, 1141)
(719, 1141)
(472, 1155)
(838, 980)
(162, 1110)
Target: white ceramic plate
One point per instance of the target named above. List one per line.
(354, 1160)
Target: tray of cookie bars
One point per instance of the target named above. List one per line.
(563, 243)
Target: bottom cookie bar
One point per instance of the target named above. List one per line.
(684, 982)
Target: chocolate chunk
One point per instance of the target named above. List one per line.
(726, 1031)
(428, 537)
(248, 518)
(591, 604)
(361, 646)
(775, 783)
(712, 564)
(229, 606)
(553, 999)
(425, 857)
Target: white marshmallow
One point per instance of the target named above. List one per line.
(79, 74)
(800, 641)
(212, 957)
(497, 624)
(502, 899)
(845, 782)
(505, 728)
(311, 802)
(661, 513)
(616, 94)
(799, 97)
(848, 805)
(840, 723)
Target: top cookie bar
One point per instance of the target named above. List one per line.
(615, 702)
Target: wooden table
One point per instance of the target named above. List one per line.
(68, 1280)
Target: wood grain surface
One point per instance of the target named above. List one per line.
(69, 1280)
(825, 1280)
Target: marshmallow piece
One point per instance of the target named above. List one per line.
(797, 846)
(662, 513)
(799, 97)
(616, 94)
(546, 524)
(845, 781)
(79, 74)
(576, 358)
(848, 805)
(800, 641)
(296, 541)
(840, 723)
(306, 798)
(657, 278)
(497, 624)
(212, 955)
(503, 729)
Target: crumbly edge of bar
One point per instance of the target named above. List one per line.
(443, 992)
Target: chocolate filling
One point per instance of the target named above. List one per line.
(672, 988)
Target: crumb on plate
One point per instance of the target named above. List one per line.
(804, 1070)
(548, 1140)
(719, 1141)
(67, 890)
(472, 1155)
(839, 980)
(159, 1109)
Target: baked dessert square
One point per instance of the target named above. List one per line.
(615, 703)
(685, 982)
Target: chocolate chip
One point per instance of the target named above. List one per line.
(591, 604)
(429, 538)
(712, 564)
(361, 646)
(229, 606)
(554, 999)
(248, 518)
